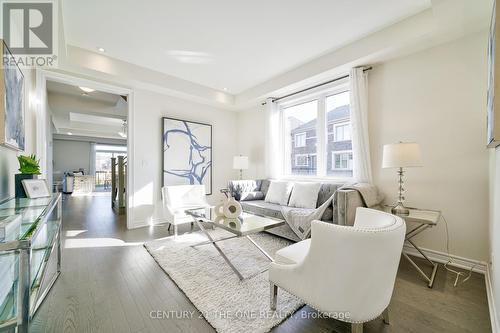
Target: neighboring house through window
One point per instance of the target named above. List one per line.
(317, 135)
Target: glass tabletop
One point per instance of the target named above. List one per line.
(19, 216)
(246, 224)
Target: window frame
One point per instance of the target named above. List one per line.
(335, 152)
(295, 139)
(320, 95)
(301, 155)
(341, 124)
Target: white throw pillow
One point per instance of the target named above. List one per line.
(279, 192)
(305, 195)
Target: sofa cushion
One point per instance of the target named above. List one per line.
(293, 254)
(279, 192)
(305, 195)
(238, 187)
(251, 195)
(260, 207)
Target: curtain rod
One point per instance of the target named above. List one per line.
(313, 87)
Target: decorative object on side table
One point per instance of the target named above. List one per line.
(401, 155)
(228, 212)
(423, 219)
(29, 168)
(240, 163)
(187, 153)
(12, 133)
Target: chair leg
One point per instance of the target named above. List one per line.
(385, 315)
(357, 328)
(169, 225)
(274, 296)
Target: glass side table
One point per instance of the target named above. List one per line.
(422, 219)
(30, 233)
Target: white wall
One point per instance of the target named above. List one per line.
(494, 230)
(251, 141)
(8, 157)
(70, 156)
(149, 108)
(436, 98)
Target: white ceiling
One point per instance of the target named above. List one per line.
(97, 114)
(226, 43)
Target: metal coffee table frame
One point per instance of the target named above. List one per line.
(200, 219)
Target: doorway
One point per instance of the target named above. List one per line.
(80, 113)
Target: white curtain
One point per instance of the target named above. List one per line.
(359, 120)
(92, 159)
(273, 140)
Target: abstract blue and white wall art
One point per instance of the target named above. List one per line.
(12, 107)
(187, 153)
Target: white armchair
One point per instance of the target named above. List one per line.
(345, 272)
(176, 200)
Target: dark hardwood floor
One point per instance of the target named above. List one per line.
(109, 283)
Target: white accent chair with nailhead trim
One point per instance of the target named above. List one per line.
(345, 272)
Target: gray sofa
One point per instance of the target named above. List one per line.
(251, 194)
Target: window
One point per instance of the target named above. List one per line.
(317, 135)
(342, 131)
(103, 155)
(300, 140)
(304, 160)
(342, 160)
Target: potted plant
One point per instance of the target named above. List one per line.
(29, 168)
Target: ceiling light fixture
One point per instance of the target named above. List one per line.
(101, 49)
(225, 89)
(87, 90)
(69, 133)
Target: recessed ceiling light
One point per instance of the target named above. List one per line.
(101, 49)
(225, 89)
(69, 133)
(87, 90)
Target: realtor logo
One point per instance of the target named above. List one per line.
(29, 29)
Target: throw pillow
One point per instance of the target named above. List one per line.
(279, 192)
(305, 195)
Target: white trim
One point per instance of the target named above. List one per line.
(491, 301)
(441, 257)
(42, 76)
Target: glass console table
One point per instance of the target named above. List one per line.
(30, 231)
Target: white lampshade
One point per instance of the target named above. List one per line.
(401, 155)
(240, 162)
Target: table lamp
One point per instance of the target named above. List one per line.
(240, 163)
(401, 155)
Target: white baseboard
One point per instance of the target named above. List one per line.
(491, 301)
(441, 257)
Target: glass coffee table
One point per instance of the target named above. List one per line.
(249, 224)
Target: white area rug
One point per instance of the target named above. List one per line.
(228, 304)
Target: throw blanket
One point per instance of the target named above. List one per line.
(299, 219)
